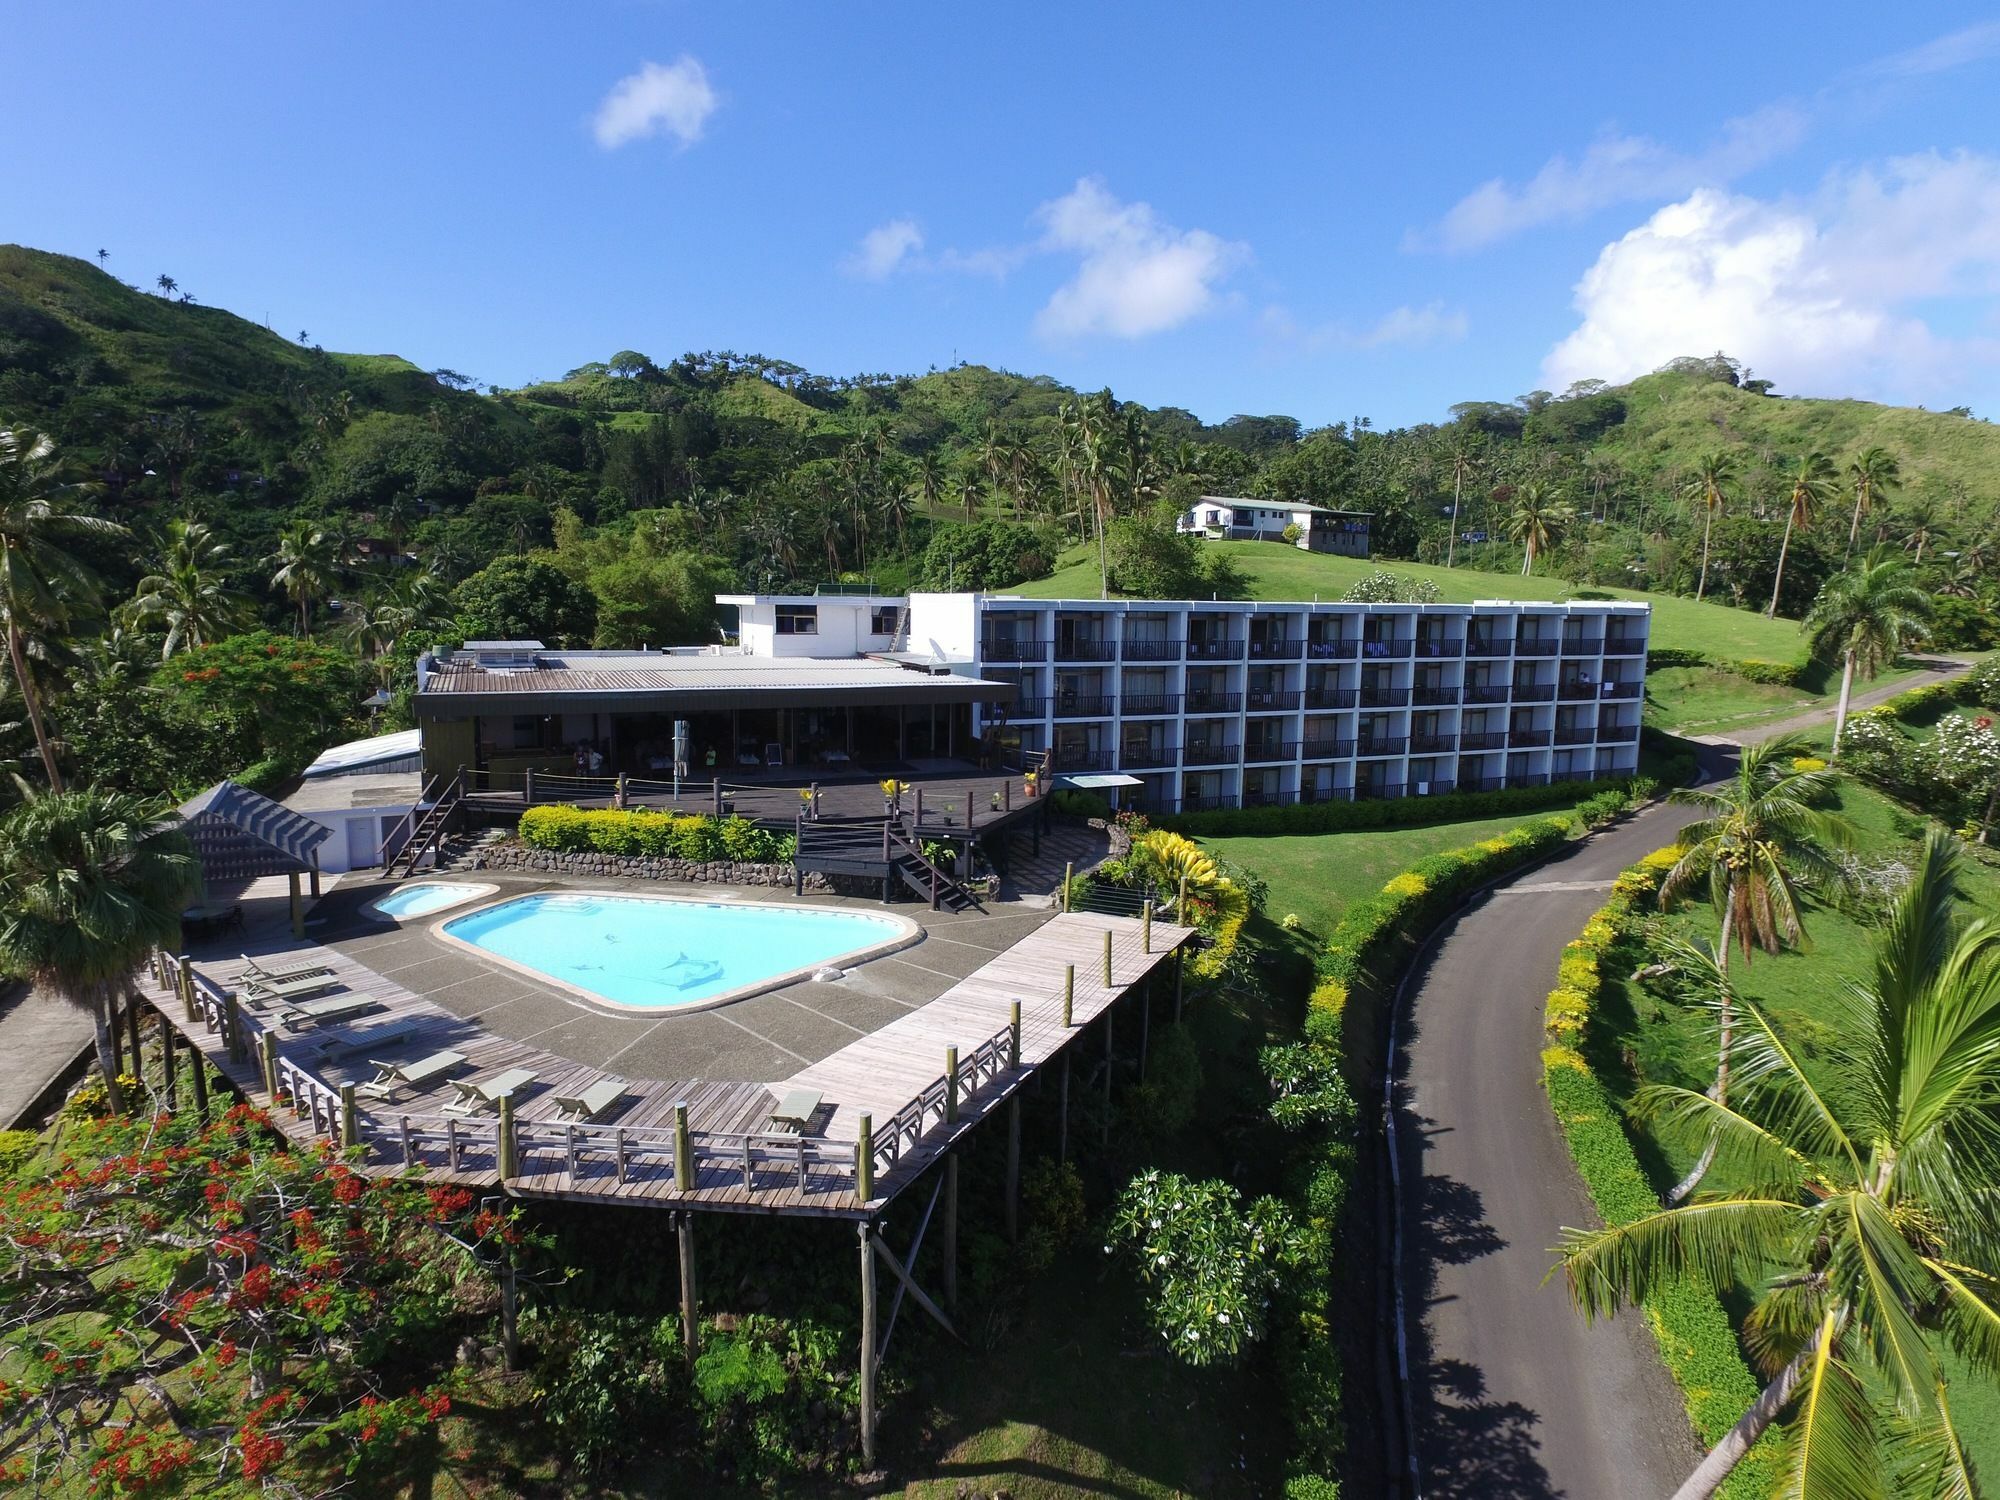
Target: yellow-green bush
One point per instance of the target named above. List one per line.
(654, 835)
(1806, 764)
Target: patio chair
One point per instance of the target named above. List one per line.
(476, 1095)
(322, 1012)
(794, 1112)
(587, 1104)
(254, 970)
(262, 994)
(420, 1074)
(344, 1041)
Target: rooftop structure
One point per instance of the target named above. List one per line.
(1341, 532)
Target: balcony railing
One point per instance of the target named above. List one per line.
(1485, 692)
(1332, 650)
(994, 650)
(1331, 697)
(1376, 650)
(1527, 778)
(1477, 646)
(1270, 750)
(1327, 794)
(1534, 692)
(1452, 647)
(1086, 650)
(1065, 759)
(1491, 739)
(1617, 734)
(1210, 755)
(1481, 783)
(1083, 706)
(1576, 692)
(1214, 703)
(1575, 734)
(1028, 708)
(1269, 797)
(1434, 695)
(1621, 689)
(1149, 705)
(1327, 749)
(1624, 645)
(1527, 739)
(1537, 646)
(1151, 650)
(1385, 745)
(1381, 791)
(1433, 744)
(1431, 786)
(1583, 645)
(1147, 757)
(1215, 650)
(1275, 650)
(1270, 702)
(1385, 697)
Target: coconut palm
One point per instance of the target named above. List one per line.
(1099, 433)
(1859, 1210)
(308, 561)
(1538, 521)
(189, 593)
(1869, 614)
(89, 883)
(43, 583)
(1705, 488)
(1920, 518)
(1812, 482)
(928, 481)
(1875, 475)
(1464, 460)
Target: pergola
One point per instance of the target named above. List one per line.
(240, 835)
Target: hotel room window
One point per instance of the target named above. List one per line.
(798, 619)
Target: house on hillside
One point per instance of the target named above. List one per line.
(1341, 532)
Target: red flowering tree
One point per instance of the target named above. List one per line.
(283, 697)
(185, 1306)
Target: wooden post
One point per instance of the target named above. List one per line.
(314, 880)
(528, 787)
(1014, 1035)
(623, 796)
(951, 1231)
(232, 1027)
(509, 1165)
(864, 1159)
(683, 1151)
(1069, 995)
(1069, 874)
(1145, 1024)
(920, 810)
(1180, 960)
(951, 1085)
(1180, 904)
(183, 973)
(267, 1055)
(867, 1347)
(1062, 1114)
(510, 1311)
(167, 1061)
(132, 1022)
(715, 793)
(298, 908)
(1007, 796)
(1107, 958)
(200, 1081)
(690, 1306)
(350, 1124)
(1013, 1194)
(1110, 1059)
(1146, 927)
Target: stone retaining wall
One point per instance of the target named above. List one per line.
(516, 856)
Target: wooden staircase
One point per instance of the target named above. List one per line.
(878, 849)
(437, 809)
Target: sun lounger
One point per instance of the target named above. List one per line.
(344, 1041)
(589, 1103)
(476, 1094)
(266, 992)
(794, 1112)
(423, 1072)
(333, 1008)
(254, 970)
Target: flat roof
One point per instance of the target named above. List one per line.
(356, 755)
(1275, 606)
(1295, 505)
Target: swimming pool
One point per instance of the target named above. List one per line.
(423, 898)
(665, 953)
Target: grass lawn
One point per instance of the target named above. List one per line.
(1276, 571)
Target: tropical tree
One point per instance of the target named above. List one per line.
(1539, 520)
(1858, 1208)
(43, 583)
(1875, 474)
(90, 882)
(1920, 518)
(1812, 483)
(1464, 460)
(1705, 488)
(928, 480)
(1869, 613)
(308, 559)
(190, 594)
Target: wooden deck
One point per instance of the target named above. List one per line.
(726, 1157)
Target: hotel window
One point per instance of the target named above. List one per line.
(883, 619)
(798, 619)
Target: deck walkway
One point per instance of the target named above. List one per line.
(729, 1159)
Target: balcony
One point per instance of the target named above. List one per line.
(1617, 734)
(1576, 692)
(1527, 778)
(1621, 689)
(1215, 650)
(1485, 692)
(1214, 703)
(1275, 650)
(1435, 786)
(1537, 646)
(1149, 705)
(1028, 708)
(1381, 791)
(1327, 749)
(1488, 646)
(1385, 697)
(1147, 757)
(1378, 650)
(1485, 740)
(1331, 697)
(1065, 759)
(1385, 745)
(1433, 744)
(1617, 644)
(1012, 650)
(1327, 794)
(1150, 650)
(1332, 650)
(1527, 739)
(1576, 734)
(1265, 751)
(1434, 695)
(1210, 755)
(1583, 645)
(1082, 706)
(1534, 692)
(1444, 648)
(1086, 650)
(1269, 797)
(1271, 702)
(1481, 783)
(1207, 804)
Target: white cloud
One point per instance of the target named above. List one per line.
(1613, 169)
(1136, 274)
(675, 100)
(886, 249)
(1405, 327)
(1956, 49)
(1823, 294)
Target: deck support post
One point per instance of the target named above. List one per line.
(1110, 1059)
(510, 1310)
(1180, 964)
(199, 1064)
(1146, 927)
(867, 1346)
(951, 1231)
(315, 881)
(167, 1061)
(1069, 995)
(1069, 874)
(864, 1158)
(132, 1023)
(350, 1123)
(509, 1164)
(1062, 1115)
(232, 1027)
(528, 787)
(298, 908)
(690, 1307)
(1180, 904)
(267, 1058)
(623, 796)
(715, 795)
(683, 1152)
(951, 1085)
(1013, 1192)
(1014, 1035)
(183, 974)
(1145, 1024)
(1107, 958)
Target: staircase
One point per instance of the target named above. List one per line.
(878, 849)
(428, 823)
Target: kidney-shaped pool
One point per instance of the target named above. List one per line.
(666, 953)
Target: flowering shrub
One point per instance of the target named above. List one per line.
(653, 835)
(1806, 764)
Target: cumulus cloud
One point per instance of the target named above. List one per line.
(1613, 169)
(1406, 327)
(1136, 274)
(1826, 293)
(1956, 49)
(675, 100)
(886, 249)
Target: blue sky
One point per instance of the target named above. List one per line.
(1252, 209)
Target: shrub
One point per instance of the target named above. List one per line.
(1805, 765)
(1163, 1104)
(1074, 802)
(1402, 812)
(698, 837)
(1982, 684)
(773, 1396)
(1053, 1205)
(17, 1149)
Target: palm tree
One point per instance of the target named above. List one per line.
(1921, 517)
(308, 559)
(1859, 1210)
(1538, 521)
(1812, 482)
(89, 883)
(1464, 459)
(1099, 433)
(190, 594)
(1704, 488)
(928, 482)
(168, 285)
(1875, 474)
(42, 582)
(103, 256)
(1868, 613)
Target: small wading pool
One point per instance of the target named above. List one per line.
(424, 898)
(663, 953)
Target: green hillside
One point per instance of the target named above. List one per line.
(1275, 571)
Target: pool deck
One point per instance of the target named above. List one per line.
(872, 1045)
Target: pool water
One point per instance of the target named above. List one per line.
(421, 898)
(656, 952)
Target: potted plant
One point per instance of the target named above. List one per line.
(1033, 783)
(806, 801)
(996, 802)
(892, 794)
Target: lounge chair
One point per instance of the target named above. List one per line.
(344, 1041)
(254, 970)
(794, 1112)
(420, 1074)
(478, 1094)
(588, 1104)
(265, 993)
(323, 1012)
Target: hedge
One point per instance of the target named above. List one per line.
(266, 775)
(1773, 673)
(1370, 814)
(1697, 1341)
(697, 836)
